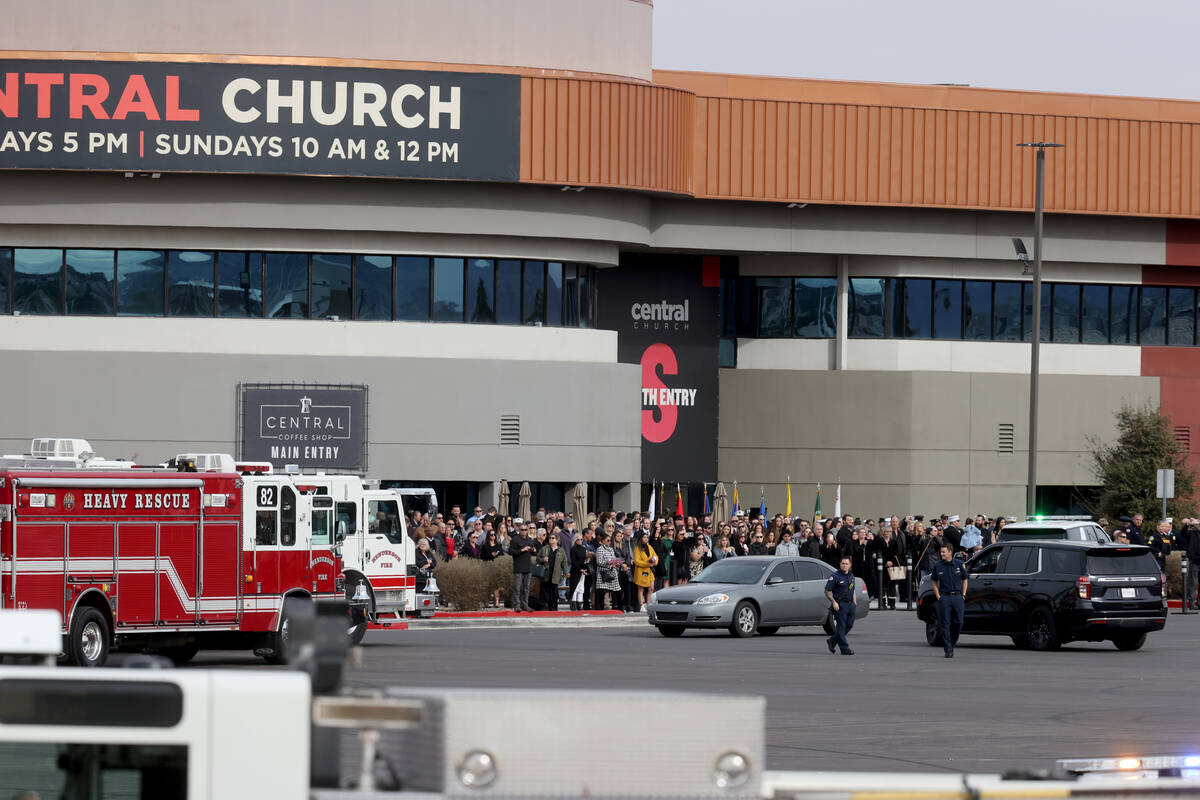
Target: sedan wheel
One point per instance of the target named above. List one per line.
(768, 630)
(745, 620)
(671, 631)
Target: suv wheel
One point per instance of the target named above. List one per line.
(1041, 631)
(1130, 641)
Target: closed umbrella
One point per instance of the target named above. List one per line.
(502, 501)
(523, 502)
(580, 498)
(720, 504)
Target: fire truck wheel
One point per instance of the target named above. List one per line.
(293, 607)
(88, 641)
(181, 654)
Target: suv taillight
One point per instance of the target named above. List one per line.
(1084, 585)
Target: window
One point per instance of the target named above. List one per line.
(1020, 560)
(784, 571)
(347, 516)
(481, 290)
(264, 527)
(1066, 312)
(867, 317)
(1063, 562)
(1152, 316)
(1027, 308)
(38, 281)
(383, 518)
(140, 275)
(321, 521)
(6, 261)
(287, 285)
(1181, 317)
(90, 282)
(412, 288)
(809, 571)
(774, 307)
(287, 516)
(586, 308)
(1006, 325)
(571, 296)
(373, 287)
(977, 310)
(239, 284)
(533, 295)
(917, 312)
(1095, 314)
(815, 307)
(554, 294)
(447, 290)
(190, 283)
(985, 564)
(947, 310)
(330, 286)
(1123, 315)
(508, 290)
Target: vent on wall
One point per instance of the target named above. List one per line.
(1183, 435)
(1004, 438)
(510, 429)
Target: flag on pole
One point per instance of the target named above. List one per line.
(662, 503)
(817, 507)
(707, 507)
(788, 512)
(735, 499)
(762, 503)
(678, 501)
(837, 502)
(652, 500)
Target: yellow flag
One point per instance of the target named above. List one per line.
(788, 513)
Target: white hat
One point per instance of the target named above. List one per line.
(953, 518)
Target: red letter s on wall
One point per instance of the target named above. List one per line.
(656, 356)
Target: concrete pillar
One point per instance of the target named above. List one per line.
(628, 497)
(843, 311)
(488, 492)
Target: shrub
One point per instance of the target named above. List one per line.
(464, 583)
(500, 577)
(1174, 575)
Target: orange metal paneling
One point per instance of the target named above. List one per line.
(609, 133)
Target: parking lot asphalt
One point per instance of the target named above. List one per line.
(896, 705)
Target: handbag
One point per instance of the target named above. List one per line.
(897, 573)
(539, 571)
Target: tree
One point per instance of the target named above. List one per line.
(1127, 470)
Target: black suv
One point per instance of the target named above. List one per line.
(1045, 593)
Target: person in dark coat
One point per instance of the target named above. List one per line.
(521, 548)
(579, 562)
(830, 553)
(884, 547)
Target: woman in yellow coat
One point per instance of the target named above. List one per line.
(644, 561)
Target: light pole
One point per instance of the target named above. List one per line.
(1036, 334)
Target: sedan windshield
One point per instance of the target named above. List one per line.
(732, 570)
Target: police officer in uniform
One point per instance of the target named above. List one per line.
(840, 591)
(949, 580)
(1162, 542)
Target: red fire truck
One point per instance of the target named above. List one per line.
(167, 560)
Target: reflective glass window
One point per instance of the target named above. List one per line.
(1027, 303)
(533, 297)
(947, 310)
(570, 296)
(1124, 315)
(331, 286)
(287, 285)
(774, 307)
(412, 288)
(814, 307)
(90, 282)
(38, 281)
(190, 283)
(239, 284)
(447, 290)
(1006, 305)
(140, 275)
(1181, 319)
(867, 307)
(508, 291)
(917, 313)
(1095, 314)
(1152, 316)
(586, 308)
(6, 260)
(977, 310)
(481, 286)
(372, 287)
(554, 293)
(1066, 312)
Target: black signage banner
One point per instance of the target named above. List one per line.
(666, 319)
(175, 117)
(314, 427)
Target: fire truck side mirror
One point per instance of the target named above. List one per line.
(341, 530)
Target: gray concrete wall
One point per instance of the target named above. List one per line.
(910, 442)
(603, 36)
(434, 419)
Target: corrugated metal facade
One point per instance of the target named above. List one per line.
(606, 133)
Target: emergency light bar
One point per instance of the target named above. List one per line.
(1150, 767)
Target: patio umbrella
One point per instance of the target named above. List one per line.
(523, 502)
(720, 504)
(502, 500)
(580, 498)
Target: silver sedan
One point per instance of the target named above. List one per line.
(750, 594)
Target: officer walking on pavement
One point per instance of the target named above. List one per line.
(840, 591)
(949, 580)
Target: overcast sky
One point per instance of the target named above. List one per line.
(1148, 48)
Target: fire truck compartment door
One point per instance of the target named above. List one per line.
(221, 587)
(91, 552)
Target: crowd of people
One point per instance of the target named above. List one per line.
(615, 560)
